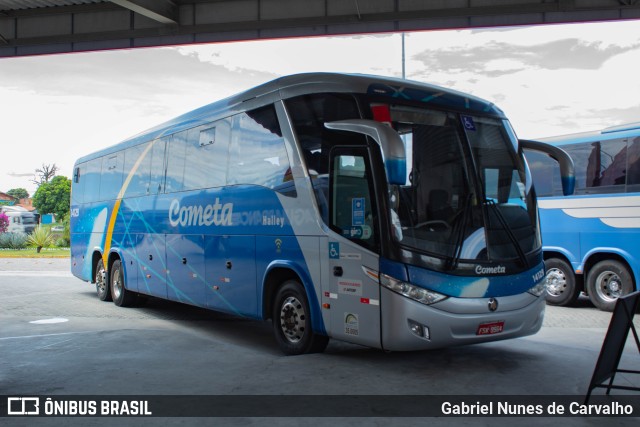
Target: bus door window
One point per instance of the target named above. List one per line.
(353, 212)
(308, 114)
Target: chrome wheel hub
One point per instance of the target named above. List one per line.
(609, 286)
(101, 280)
(117, 285)
(556, 282)
(292, 319)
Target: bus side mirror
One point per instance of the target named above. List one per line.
(567, 173)
(392, 146)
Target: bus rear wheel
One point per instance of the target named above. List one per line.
(606, 282)
(121, 296)
(102, 282)
(292, 321)
(561, 283)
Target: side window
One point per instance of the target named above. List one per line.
(353, 211)
(612, 162)
(207, 151)
(633, 168)
(77, 184)
(176, 158)
(257, 154)
(157, 167)
(111, 179)
(92, 180)
(545, 173)
(140, 179)
(600, 167)
(309, 113)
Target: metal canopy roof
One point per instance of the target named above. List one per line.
(33, 27)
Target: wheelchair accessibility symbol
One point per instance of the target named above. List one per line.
(468, 123)
(334, 250)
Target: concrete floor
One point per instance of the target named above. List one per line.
(163, 348)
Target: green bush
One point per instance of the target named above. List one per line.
(13, 240)
(62, 243)
(40, 238)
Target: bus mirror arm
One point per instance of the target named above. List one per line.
(391, 145)
(564, 160)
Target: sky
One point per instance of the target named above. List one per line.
(549, 80)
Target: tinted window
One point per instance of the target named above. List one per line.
(111, 180)
(598, 165)
(633, 161)
(79, 179)
(309, 113)
(140, 179)
(176, 157)
(353, 208)
(257, 154)
(92, 182)
(156, 175)
(207, 150)
(545, 172)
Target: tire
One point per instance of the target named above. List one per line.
(102, 282)
(561, 283)
(606, 282)
(122, 297)
(292, 322)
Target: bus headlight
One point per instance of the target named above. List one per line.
(416, 293)
(539, 289)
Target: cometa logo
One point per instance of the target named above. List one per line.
(213, 214)
(498, 269)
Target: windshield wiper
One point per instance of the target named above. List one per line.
(461, 227)
(508, 230)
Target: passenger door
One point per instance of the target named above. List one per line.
(354, 291)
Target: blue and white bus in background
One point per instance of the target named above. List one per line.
(592, 239)
(378, 211)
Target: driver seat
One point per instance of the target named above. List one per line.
(439, 207)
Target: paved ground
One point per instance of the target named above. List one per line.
(96, 348)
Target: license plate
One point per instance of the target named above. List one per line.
(490, 328)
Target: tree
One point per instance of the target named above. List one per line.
(18, 193)
(53, 197)
(45, 174)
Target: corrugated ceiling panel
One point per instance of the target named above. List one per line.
(33, 4)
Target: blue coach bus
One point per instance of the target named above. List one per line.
(377, 211)
(591, 240)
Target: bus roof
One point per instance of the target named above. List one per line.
(307, 83)
(628, 130)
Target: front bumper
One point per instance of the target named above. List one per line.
(455, 321)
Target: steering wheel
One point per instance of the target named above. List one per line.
(438, 222)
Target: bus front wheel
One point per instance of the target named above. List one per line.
(606, 282)
(121, 296)
(561, 283)
(292, 321)
(102, 282)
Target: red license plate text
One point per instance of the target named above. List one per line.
(490, 328)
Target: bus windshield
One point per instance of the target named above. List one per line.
(467, 196)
